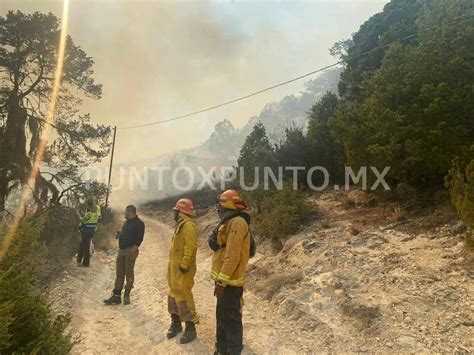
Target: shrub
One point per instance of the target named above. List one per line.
(282, 213)
(27, 322)
(461, 186)
(6, 318)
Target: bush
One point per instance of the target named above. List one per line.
(461, 186)
(6, 318)
(27, 322)
(282, 213)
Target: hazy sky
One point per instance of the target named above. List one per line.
(159, 59)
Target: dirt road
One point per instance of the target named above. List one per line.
(140, 327)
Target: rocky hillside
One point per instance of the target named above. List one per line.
(367, 277)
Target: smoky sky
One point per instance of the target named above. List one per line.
(160, 59)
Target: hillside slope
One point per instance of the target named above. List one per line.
(356, 281)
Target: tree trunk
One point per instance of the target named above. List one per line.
(14, 163)
(3, 192)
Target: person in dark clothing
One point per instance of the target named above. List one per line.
(229, 328)
(130, 239)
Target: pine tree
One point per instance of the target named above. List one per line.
(27, 322)
(323, 149)
(256, 153)
(28, 57)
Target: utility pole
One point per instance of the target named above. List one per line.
(110, 168)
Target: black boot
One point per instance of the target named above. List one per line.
(114, 299)
(217, 352)
(126, 297)
(175, 327)
(189, 333)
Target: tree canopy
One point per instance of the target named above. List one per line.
(412, 108)
(28, 56)
(406, 101)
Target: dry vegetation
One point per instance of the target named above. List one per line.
(374, 275)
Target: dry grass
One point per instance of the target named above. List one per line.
(420, 214)
(399, 213)
(267, 286)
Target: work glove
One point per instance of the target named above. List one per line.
(218, 290)
(182, 269)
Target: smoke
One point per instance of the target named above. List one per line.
(159, 59)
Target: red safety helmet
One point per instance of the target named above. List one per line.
(231, 200)
(185, 205)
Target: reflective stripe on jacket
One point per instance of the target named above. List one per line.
(230, 261)
(90, 218)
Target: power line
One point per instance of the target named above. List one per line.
(233, 100)
(225, 103)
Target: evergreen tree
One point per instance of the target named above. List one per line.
(223, 142)
(28, 57)
(323, 149)
(256, 152)
(255, 155)
(415, 112)
(27, 323)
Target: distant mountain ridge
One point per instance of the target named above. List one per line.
(291, 111)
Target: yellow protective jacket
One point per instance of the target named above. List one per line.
(230, 261)
(90, 218)
(182, 253)
(89, 221)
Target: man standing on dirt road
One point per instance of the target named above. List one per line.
(181, 271)
(231, 245)
(87, 228)
(130, 238)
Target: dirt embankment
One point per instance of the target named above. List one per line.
(368, 277)
(61, 238)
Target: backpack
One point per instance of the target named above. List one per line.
(213, 238)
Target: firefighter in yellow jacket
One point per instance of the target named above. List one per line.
(231, 245)
(181, 271)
